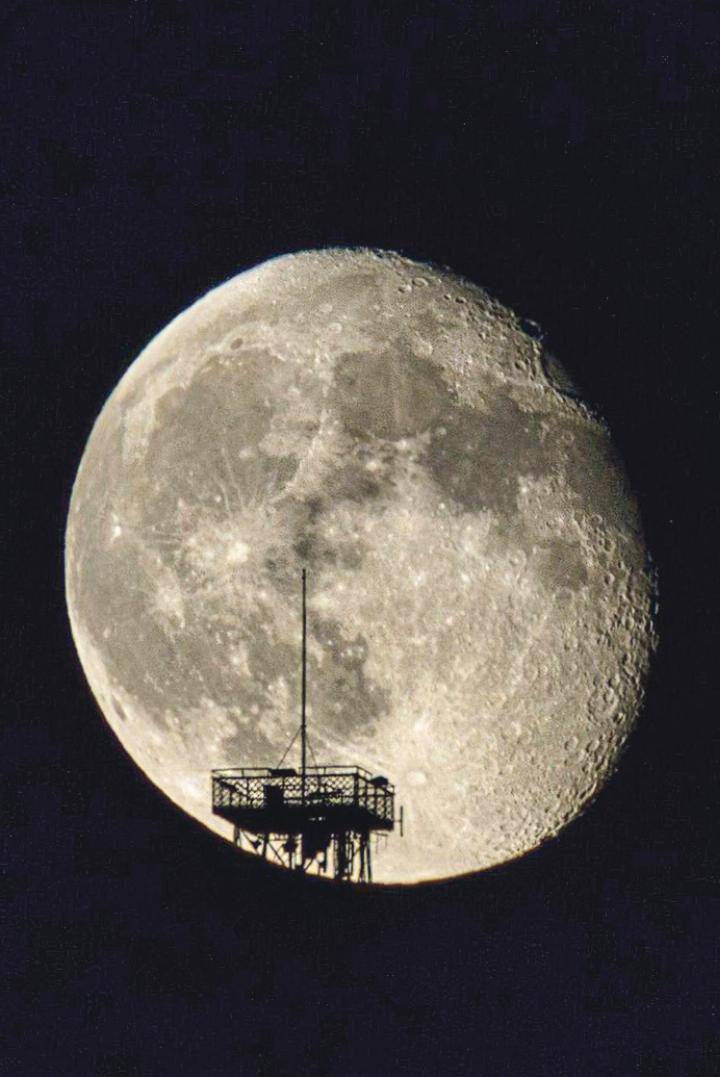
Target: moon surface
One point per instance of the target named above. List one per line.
(480, 598)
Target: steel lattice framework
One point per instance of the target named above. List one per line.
(320, 817)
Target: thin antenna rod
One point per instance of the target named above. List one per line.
(303, 726)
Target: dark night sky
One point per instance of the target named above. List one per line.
(563, 155)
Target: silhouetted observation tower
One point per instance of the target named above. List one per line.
(319, 818)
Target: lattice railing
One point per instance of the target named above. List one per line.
(336, 786)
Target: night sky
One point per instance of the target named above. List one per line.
(563, 156)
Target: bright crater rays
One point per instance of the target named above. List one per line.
(480, 601)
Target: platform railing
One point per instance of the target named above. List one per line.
(341, 786)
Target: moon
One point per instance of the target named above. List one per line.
(480, 596)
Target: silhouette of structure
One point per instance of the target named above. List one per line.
(319, 818)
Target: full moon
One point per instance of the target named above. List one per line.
(480, 597)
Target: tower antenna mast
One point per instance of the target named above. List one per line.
(303, 706)
(322, 819)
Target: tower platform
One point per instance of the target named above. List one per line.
(296, 817)
(320, 817)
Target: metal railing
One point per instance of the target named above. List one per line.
(324, 786)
